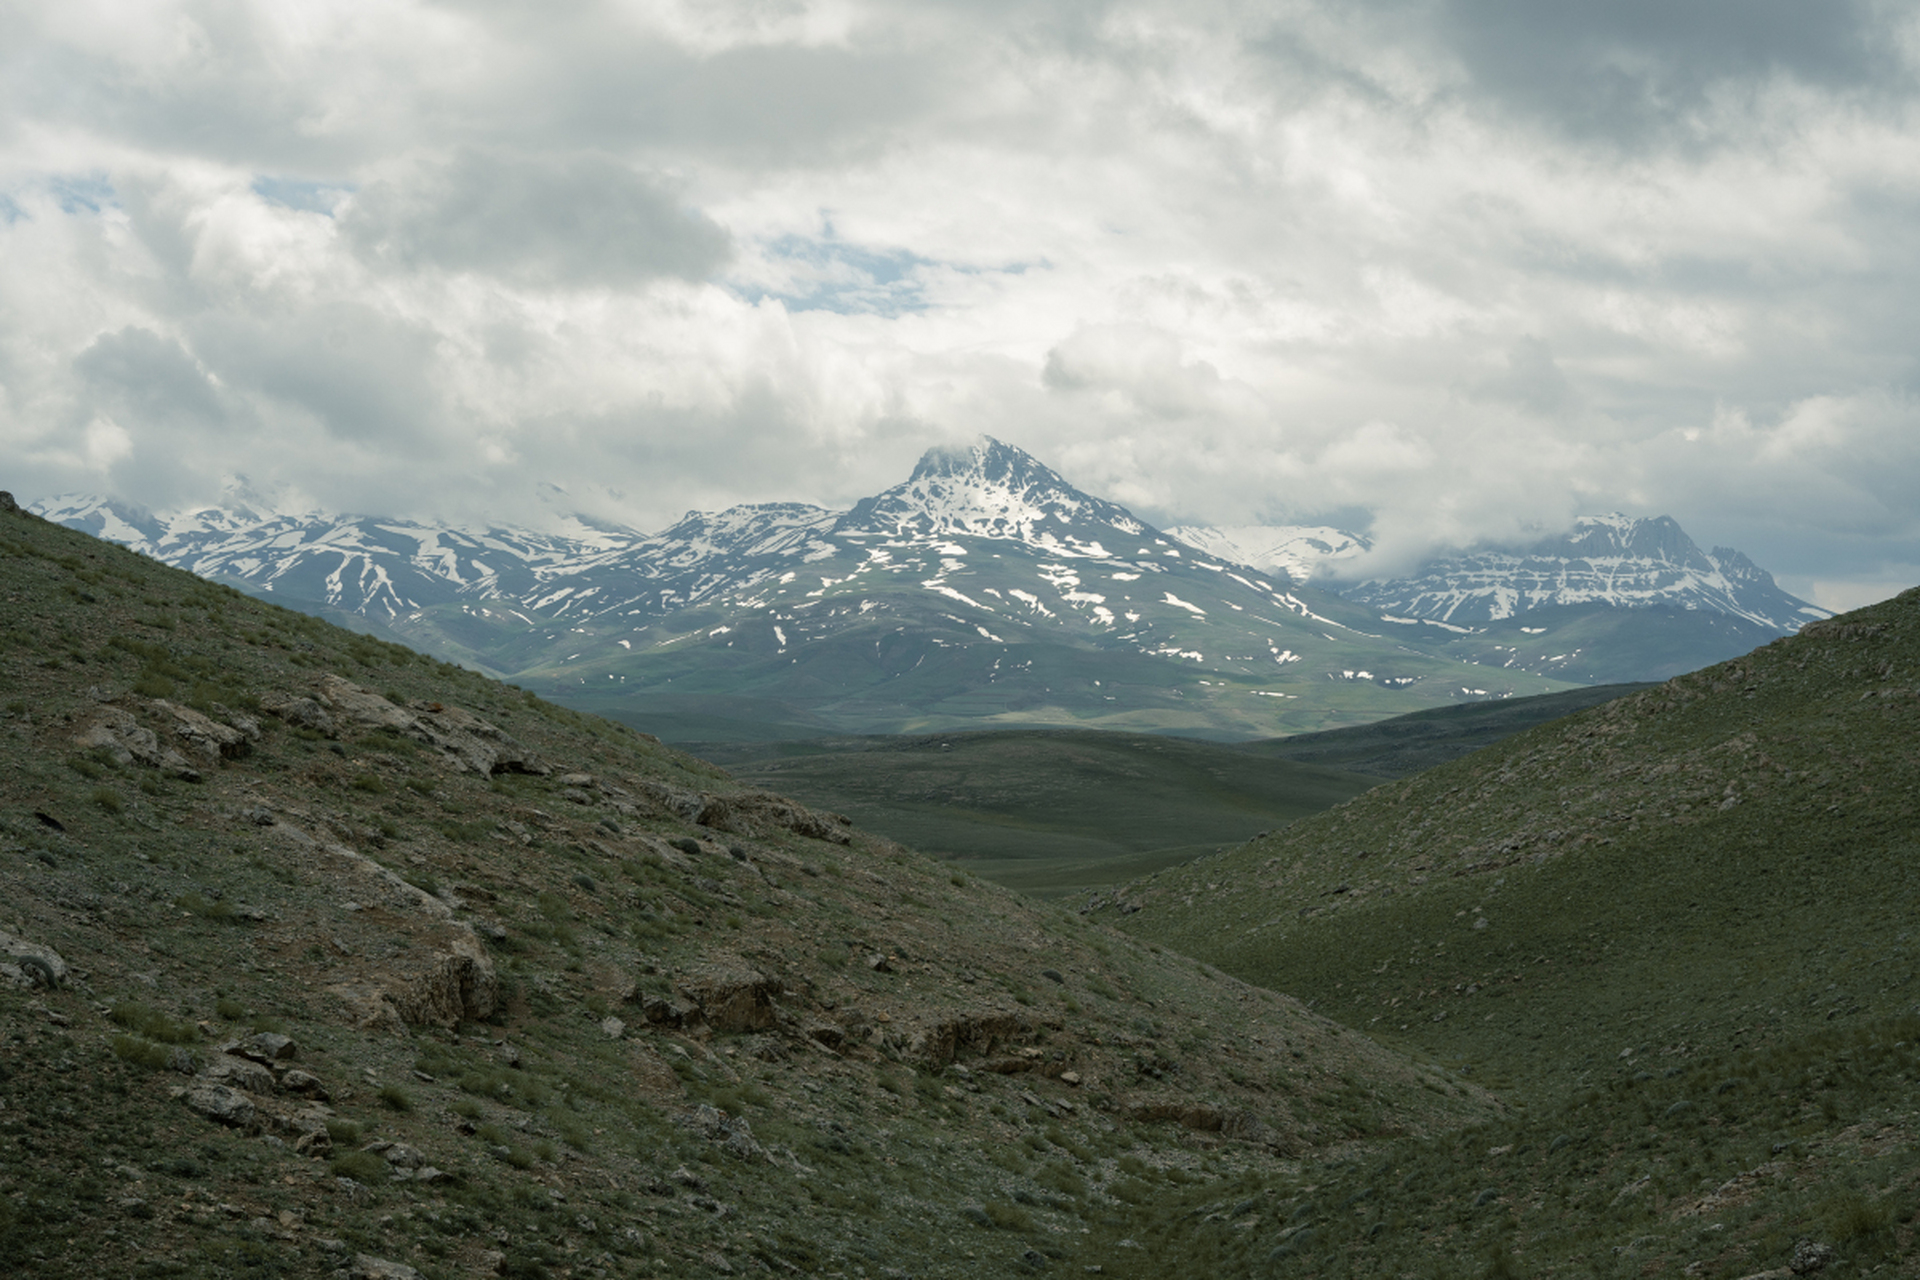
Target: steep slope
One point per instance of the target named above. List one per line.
(1678, 926)
(1629, 871)
(320, 956)
(982, 590)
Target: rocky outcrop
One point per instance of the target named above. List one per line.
(966, 1036)
(744, 813)
(301, 712)
(759, 813)
(29, 964)
(456, 983)
(206, 737)
(468, 742)
(730, 995)
(222, 1104)
(125, 740)
(474, 744)
(350, 704)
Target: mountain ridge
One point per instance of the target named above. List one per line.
(983, 590)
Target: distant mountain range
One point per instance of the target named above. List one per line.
(983, 590)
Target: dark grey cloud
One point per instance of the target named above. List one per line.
(147, 378)
(582, 219)
(1631, 71)
(362, 374)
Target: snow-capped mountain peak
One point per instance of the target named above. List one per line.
(990, 489)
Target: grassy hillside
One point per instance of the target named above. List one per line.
(1422, 739)
(1051, 812)
(1056, 812)
(1678, 927)
(556, 999)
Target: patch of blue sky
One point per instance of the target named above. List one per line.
(825, 274)
(9, 211)
(82, 192)
(298, 193)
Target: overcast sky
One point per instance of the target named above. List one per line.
(1451, 270)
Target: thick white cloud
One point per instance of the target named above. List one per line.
(1463, 268)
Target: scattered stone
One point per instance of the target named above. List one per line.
(611, 1027)
(367, 1267)
(269, 1046)
(220, 1103)
(878, 963)
(397, 1154)
(30, 964)
(1810, 1256)
(241, 1073)
(313, 1143)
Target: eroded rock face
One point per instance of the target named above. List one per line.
(454, 984)
(731, 995)
(966, 1036)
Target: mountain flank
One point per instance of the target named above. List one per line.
(1776, 790)
(1678, 927)
(319, 956)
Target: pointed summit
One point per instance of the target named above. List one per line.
(991, 489)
